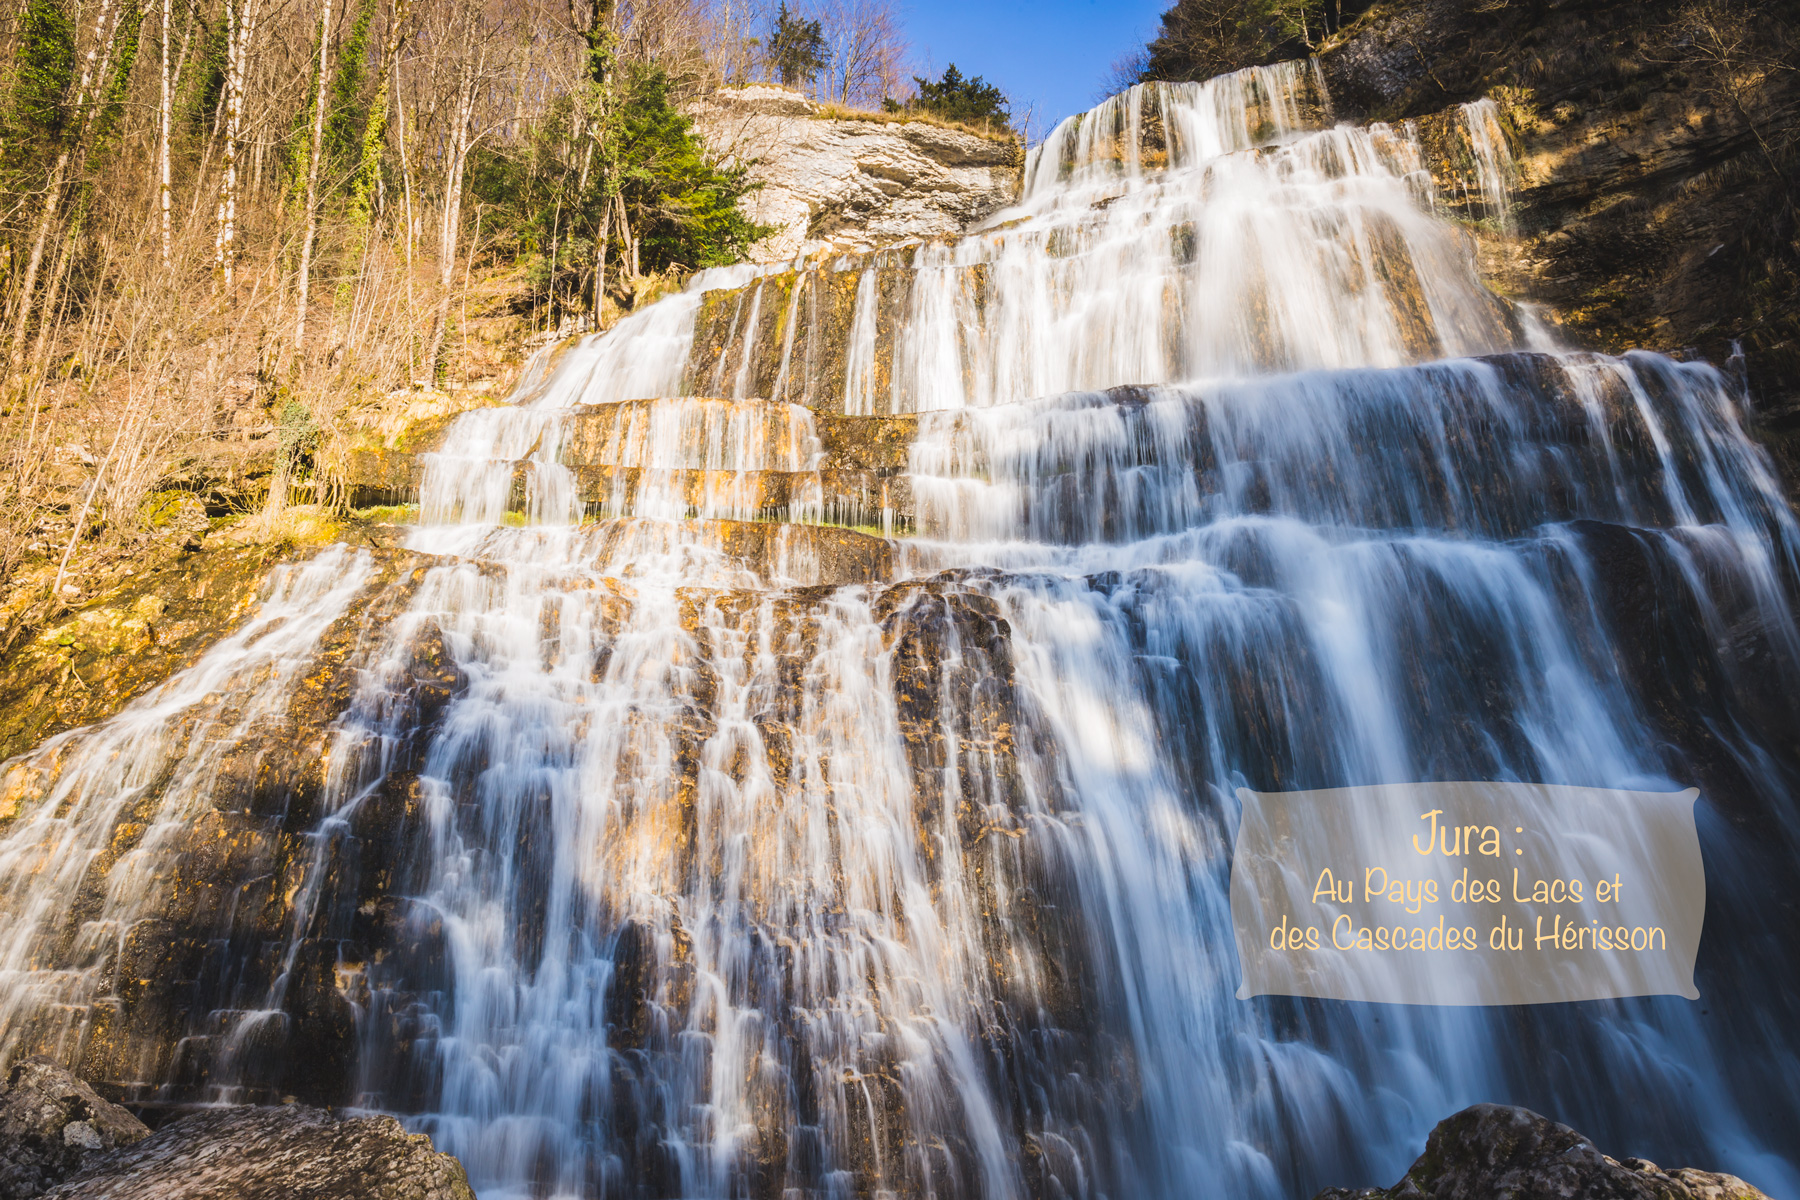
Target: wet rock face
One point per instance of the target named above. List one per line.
(1490, 1150)
(89, 662)
(219, 910)
(383, 441)
(835, 185)
(53, 1125)
(272, 1154)
(787, 336)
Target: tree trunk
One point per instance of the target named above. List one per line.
(601, 244)
(631, 242)
(165, 125)
(312, 175)
(412, 329)
(58, 277)
(600, 55)
(362, 186)
(451, 228)
(52, 198)
(239, 25)
(103, 36)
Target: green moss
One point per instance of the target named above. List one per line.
(388, 514)
(161, 508)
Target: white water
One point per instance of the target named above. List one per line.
(1494, 170)
(729, 884)
(1263, 245)
(126, 796)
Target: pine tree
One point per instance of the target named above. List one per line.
(45, 69)
(954, 98)
(797, 49)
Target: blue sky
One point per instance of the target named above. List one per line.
(1048, 55)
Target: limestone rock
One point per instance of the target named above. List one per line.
(836, 184)
(1490, 1150)
(50, 1124)
(273, 1154)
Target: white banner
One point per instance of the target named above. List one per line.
(1468, 893)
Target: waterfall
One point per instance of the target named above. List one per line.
(859, 384)
(1261, 246)
(678, 842)
(1494, 167)
(128, 793)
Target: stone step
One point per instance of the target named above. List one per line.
(857, 499)
(811, 468)
(713, 555)
(690, 432)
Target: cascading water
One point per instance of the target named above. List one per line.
(731, 870)
(125, 795)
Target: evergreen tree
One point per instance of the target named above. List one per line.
(797, 49)
(45, 68)
(680, 208)
(1203, 38)
(683, 206)
(954, 98)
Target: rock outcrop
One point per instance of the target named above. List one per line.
(1494, 1150)
(1653, 205)
(838, 183)
(272, 1154)
(52, 1125)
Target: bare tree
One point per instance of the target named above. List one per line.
(121, 288)
(240, 32)
(106, 27)
(1123, 73)
(165, 125)
(868, 50)
(474, 42)
(1741, 51)
(315, 152)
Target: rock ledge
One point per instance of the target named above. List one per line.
(272, 1154)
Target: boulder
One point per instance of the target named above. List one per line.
(1490, 1150)
(272, 1154)
(51, 1125)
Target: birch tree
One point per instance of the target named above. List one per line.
(94, 67)
(240, 30)
(164, 130)
(459, 138)
(315, 152)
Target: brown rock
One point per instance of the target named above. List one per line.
(1495, 1150)
(51, 1123)
(288, 1153)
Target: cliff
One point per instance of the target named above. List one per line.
(834, 183)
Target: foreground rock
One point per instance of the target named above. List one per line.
(1494, 1150)
(51, 1125)
(273, 1154)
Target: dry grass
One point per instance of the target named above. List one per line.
(837, 112)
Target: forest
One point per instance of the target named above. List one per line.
(226, 215)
